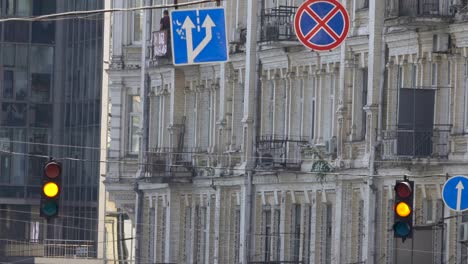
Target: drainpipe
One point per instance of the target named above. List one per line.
(144, 91)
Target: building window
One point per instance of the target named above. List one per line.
(137, 21)
(18, 8)
(364, 103)
(13, 114)
(271, 108)
(200, 231)
(326, 236)
(152, 232)
(449, 79)
(187, 233)
(237, 217)
(360, 230)
(463, 235)
(5, 166)
(267, 233)
(428, 211)
(296, 232)
(312, 110)
(301, 107)
(134, 124)
(8, 77)
(413, 75)
(433, 74)
(329, 106)
(400, 82)
(363, 4)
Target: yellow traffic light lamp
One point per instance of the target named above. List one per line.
(403, 209)
(50, 189)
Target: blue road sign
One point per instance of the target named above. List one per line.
(454, 194)
(321, 24)
(199, 36)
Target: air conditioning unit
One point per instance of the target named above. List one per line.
(441, 42)
(266, 160)
(463, 231)
(237, 43)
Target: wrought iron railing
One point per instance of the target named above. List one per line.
(277, 24)
(170, 162)
(416, 142)
(415, 8)
(278, 151)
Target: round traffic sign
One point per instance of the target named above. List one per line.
(454, 194)
(321, 24)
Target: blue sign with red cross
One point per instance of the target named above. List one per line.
(321, 24)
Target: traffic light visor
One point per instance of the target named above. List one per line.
(401, 229)
(50, 189)
(403, 189)
(49, 208)
(52, 170)
(402, 209)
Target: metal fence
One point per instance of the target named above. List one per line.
(423, 7)
(278, 24)
(50, 248)
(280, 151)
(416, 143)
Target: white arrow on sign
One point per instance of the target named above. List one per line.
(459, 188)
(188, 25)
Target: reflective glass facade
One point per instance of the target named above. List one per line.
(50, 94)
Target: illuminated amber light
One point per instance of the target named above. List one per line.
(50, 189)
(402, 209)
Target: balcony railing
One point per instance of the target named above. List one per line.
(175, 162)
(416, 143)
(277, 24)
(277, 151)
(418, 8)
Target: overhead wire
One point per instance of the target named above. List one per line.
(72, 14)
(259, 170)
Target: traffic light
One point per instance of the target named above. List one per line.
(403, 208)
(51, 187)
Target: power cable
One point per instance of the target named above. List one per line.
(127, 162)
(72, 14)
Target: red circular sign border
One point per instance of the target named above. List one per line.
(306, 42)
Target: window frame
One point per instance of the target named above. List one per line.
(136, 3)
(132, 113)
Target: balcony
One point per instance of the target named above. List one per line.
(277, 25)
(280, 152)
(168, 164)
(404, 143)
(418, 12)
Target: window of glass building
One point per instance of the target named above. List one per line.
(20, 8)
(13, 114)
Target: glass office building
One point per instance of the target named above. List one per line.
(50, 104)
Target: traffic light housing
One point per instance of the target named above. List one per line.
(403, 209)
(50, 189)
